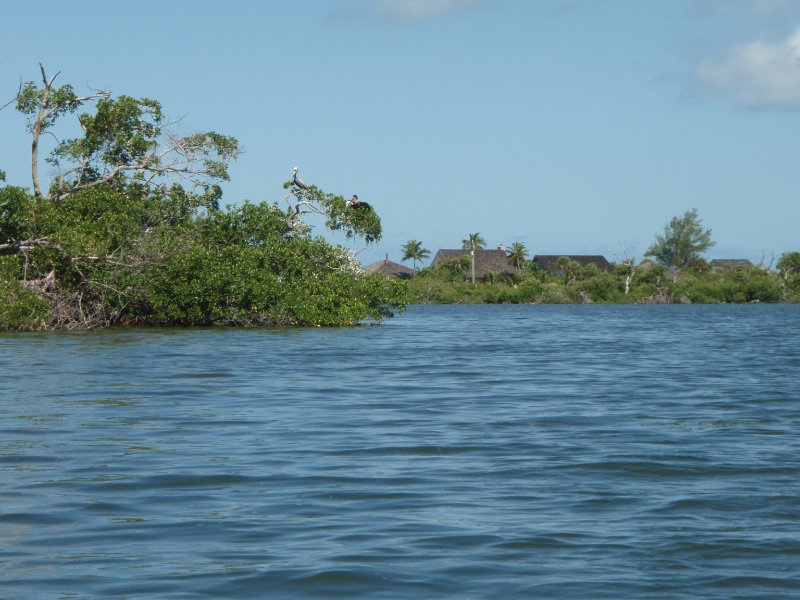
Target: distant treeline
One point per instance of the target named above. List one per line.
(647, 282)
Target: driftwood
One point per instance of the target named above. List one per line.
(43, 284)
(660, 296)
(68, 309)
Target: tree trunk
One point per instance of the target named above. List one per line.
(37, 130)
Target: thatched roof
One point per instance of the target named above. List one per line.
(730, 263)
(389, 268)
(486, 261)
(549, 262)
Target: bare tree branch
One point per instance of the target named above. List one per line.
(14, 99)
(26, 245)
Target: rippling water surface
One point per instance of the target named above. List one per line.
(455, 451)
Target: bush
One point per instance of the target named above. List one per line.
(21, 309)
(651, 273)
(602, 287)
(762, 289)
(116, 251)
(703, 292)
(530, 290)
(554, 293)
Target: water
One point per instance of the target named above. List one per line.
(454, 452)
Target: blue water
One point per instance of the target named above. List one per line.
(453, 452)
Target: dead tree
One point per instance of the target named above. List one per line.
(47, 103)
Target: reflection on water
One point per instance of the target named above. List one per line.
(456, 451)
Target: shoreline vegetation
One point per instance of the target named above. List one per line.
(677, 274)
(645, 283)
(130, 232)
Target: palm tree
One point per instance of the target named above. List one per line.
(566, 265)
(414, 251)
(473, 242)
(518, 254)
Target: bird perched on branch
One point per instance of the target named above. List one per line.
(354, 202)
(298, 182)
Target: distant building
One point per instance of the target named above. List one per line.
(730, 263)
(389, 268)
(549, 262)
(486, 261)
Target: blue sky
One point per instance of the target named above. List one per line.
(573, 126)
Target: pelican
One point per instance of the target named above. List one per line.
(298, 182)
(354, 202)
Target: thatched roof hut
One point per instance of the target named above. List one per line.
(730, 263)
(549, 262)
(486, 261)
(389, 268)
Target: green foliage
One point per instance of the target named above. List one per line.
(15, 214)
(126, 252)
(455, 270)
(600, 287)
(44, 106)
(554, 293)
(54, 103)
(789, 264)
(569, 269)
(735, 286)
(121, 132)
(530, 291)
(683, 240)
(652, 273)
(588, 272)
(789, 268)
(699, 264)
(125, 137)
(459, 267)
(354, 222)
(762, 288)
(433, 290)
(706, 292)
(20, 307)
(640, 293)
(648, 283)
(533, 269)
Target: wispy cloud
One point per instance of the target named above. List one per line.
(758, 74)
(401, 10)
(745, 9)
(771, 7)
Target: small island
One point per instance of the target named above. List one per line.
(131, 232)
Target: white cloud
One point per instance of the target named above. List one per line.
(401, 10)
(758, 74)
